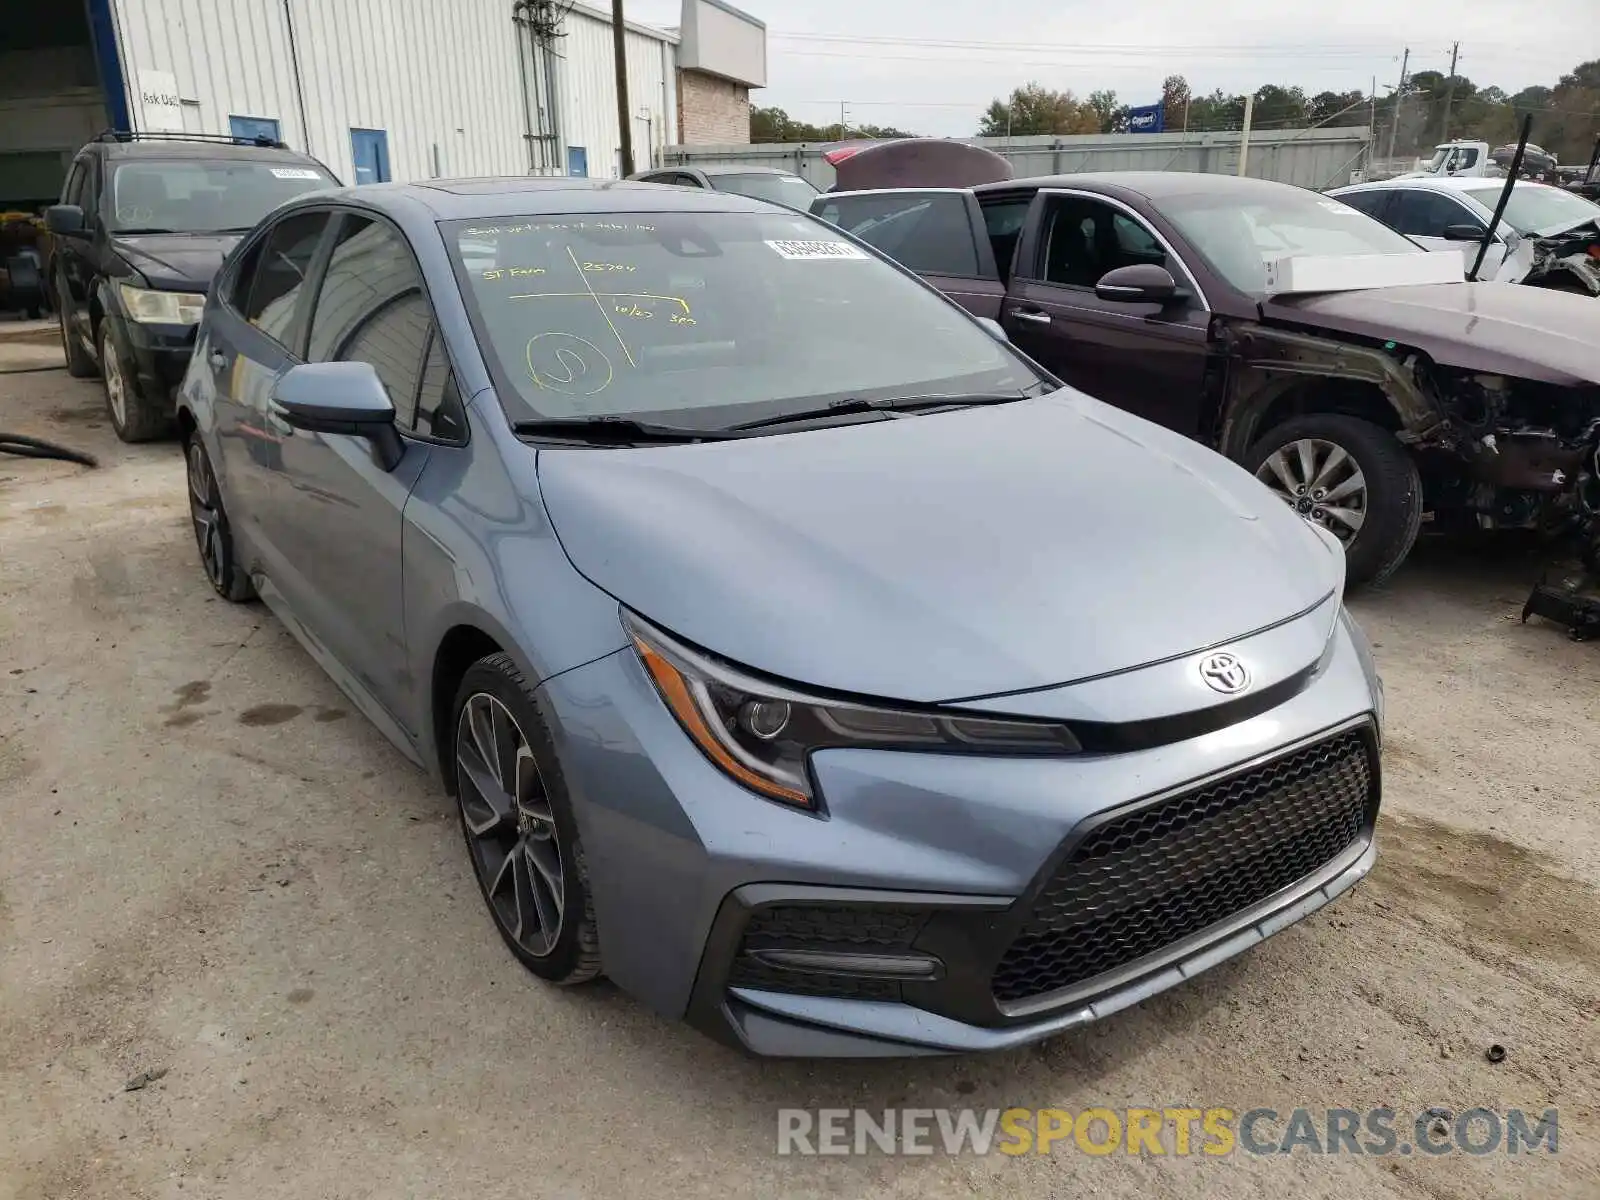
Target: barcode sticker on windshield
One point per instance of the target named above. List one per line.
(794, 250)
(294, 173)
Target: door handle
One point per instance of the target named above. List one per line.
(1033, 318)
(218, 360)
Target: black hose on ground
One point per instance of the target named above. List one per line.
(34, 370)
(27, 447)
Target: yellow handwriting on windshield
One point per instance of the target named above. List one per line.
(565, 362)
(512, 273)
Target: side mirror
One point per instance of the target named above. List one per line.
(1465, 232)
(340, 397)
(994, 329)
(1142, 283)
(64, 220)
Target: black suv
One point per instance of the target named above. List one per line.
(144, 223)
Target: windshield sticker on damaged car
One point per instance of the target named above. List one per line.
(815, 249)
(294, 173)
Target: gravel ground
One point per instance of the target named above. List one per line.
(210, 867)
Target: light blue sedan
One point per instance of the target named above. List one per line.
(801, 656)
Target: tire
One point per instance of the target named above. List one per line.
(1389, 487)
(212, 534)
(79, 364)
(522, 840)
(131, 415)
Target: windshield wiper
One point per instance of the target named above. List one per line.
(615, 431)
(137, 231)
(888, 405)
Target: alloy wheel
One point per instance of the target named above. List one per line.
(203, 513)
(116, 385)
(1320, 481)
(511, 830)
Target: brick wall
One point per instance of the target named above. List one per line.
(711, 110)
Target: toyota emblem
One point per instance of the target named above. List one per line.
(1224, 673)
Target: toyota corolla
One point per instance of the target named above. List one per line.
(799, 655)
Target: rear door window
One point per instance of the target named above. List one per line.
(1420, 213)
(278, 282)
(1374, 203)
(928, 232)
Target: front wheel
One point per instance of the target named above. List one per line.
(518, 823)
(1352, 478)
(133, 417)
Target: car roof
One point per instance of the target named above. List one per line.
(1455, 183)
(1154, 184)
(730, 169)
(522, 196)
(176, 148)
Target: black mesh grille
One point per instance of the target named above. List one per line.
(824, 927)
(1138, 883)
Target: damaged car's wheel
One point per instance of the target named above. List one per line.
(1352, 478)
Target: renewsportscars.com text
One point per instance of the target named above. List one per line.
(1178, 1131)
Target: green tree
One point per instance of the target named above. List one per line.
(1035, 109)
(1113, 116)
(1175, 101)
(775, 125)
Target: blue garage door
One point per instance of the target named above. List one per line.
(370, 149)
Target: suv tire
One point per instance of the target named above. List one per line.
(1357, 472)
(79, 364)
(131, 415)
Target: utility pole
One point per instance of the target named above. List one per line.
(619, 44)
(842, 126)
(1449, 93)
(1399, 99)
(1372, 127)
(1244, 135)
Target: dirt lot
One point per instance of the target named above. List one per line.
(210, 866)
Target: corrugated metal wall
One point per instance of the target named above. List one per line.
(441, 78)
(1315, 158)
(589, 109)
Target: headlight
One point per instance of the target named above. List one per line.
(161, 308)
(761, 733)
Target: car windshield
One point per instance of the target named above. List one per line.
(195, 196)
(1239, 236)
(1440, 153)
(1535, 209)
(781, 189)
(708, 319)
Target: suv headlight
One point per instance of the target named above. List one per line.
(761, 733)
(150, 307)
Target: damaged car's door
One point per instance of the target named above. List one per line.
(1139, 340)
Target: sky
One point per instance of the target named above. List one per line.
(866, 53)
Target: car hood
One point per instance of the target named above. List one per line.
(1528, 332)
(176, 262)
(941, 557)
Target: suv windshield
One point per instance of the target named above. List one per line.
(780, 189)
(709, 319)
(1240, 238)
(185, 195)
(1535, 209)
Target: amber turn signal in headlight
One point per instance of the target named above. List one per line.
(761, 732)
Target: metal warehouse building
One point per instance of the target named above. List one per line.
(377, 89)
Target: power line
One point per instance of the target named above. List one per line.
(970, 44)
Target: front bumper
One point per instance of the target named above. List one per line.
(154, 357)
(922, 857)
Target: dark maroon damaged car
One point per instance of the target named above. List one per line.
(1356, 374)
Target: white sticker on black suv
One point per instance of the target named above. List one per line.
(794, 249)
